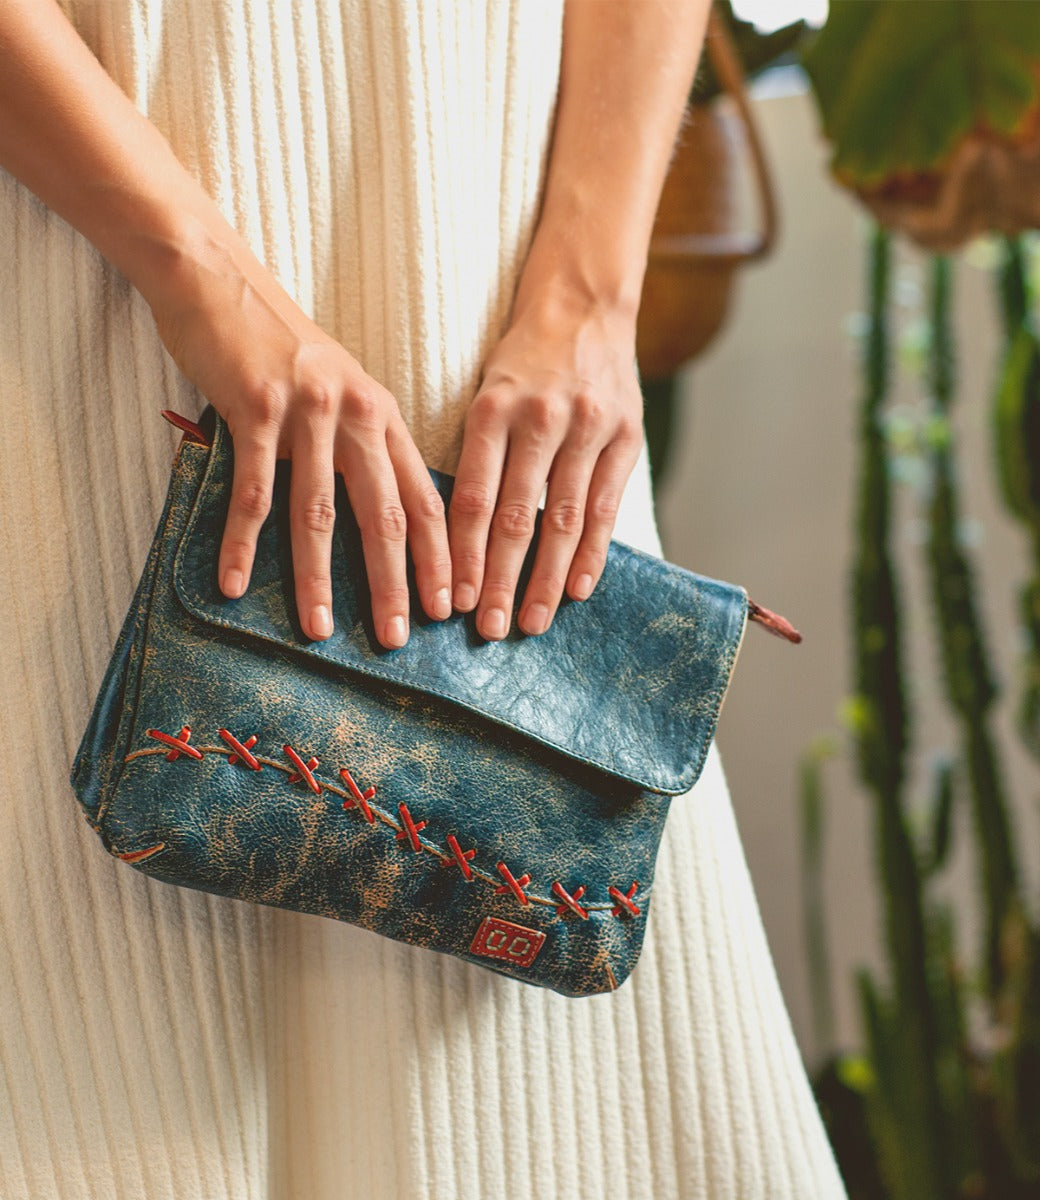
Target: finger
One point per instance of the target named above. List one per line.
(251, 488)
(473, 497)
(374, 497)
(562, 524)
(427, 529)
(606, 488)
(512, 527)
(312, 517)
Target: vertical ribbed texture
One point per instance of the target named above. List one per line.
(385, 160)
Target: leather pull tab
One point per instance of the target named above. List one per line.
(191, 431)
(772, 621)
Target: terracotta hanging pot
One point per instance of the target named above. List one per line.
(695, 248)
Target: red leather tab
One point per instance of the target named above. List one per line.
(772, 621)
(190, 430)
(511, 943)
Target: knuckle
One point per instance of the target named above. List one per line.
(548, 585)
(265, 402)
(587, 412)
(468, 564)
(630, 431)
(604, 507)
(563, 516)
(252, 499)
(236, 550)
(431, 506)
(439, 567)
(318, 515)
(315, 584)
(541, 414)
(317, 400)
(498, 590)
(472, 500)
(394, 597)
(388, 522)
(362, 407)
(488, 408)
(514, 520)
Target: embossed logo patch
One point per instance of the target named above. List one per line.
(502, 939)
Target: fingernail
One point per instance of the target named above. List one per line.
(233, 581)
(583, 587)
(321, 622)
(536, 619)
(494, 623)
(397, 631)
(442, 604)
(465, 597)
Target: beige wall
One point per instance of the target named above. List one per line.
(761, 494)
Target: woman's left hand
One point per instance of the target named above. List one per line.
(559, 405)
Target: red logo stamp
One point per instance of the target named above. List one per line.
(512, 943)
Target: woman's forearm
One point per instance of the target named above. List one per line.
(625, 77)
(560, 407)
(285, 387)
(77, 141)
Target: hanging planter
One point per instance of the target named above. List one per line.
(695, 249)
(933, 111)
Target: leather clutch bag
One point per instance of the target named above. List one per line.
(499, 801)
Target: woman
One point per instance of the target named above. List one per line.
(373, 235)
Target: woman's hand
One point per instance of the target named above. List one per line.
(560, 402)
(559, 405)
(285, 388)
(288, 390)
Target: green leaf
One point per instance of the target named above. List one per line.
(900, 83)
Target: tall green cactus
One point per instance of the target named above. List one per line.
(968, 678)
(949, 1117)
(1016, 428)
(902, 1030)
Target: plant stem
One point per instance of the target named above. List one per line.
(916, 1166)
(967, 675)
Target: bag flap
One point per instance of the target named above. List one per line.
(631, 680)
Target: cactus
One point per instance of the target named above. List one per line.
(967, 676)
(1016, 429)
(813, 902)
(952, 1112)
(901, 1030)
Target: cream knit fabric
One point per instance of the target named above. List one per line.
(385, 159)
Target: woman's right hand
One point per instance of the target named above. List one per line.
(288, 390)
(285, 388)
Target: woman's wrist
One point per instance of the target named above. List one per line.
(566, 297)
(168, 252)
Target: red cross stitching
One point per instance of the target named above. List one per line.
(241, 749)
(461, 856)
(516, 886)
(357, 796)
(570, 902)
(624, 900)
(179, 744)
(411, 828)
(303, 770)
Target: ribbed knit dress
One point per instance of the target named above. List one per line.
(385, 160)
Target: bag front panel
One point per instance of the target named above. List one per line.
(399, 813)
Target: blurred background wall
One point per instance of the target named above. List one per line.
(760, 492)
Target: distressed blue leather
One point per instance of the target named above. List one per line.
(550, 757)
